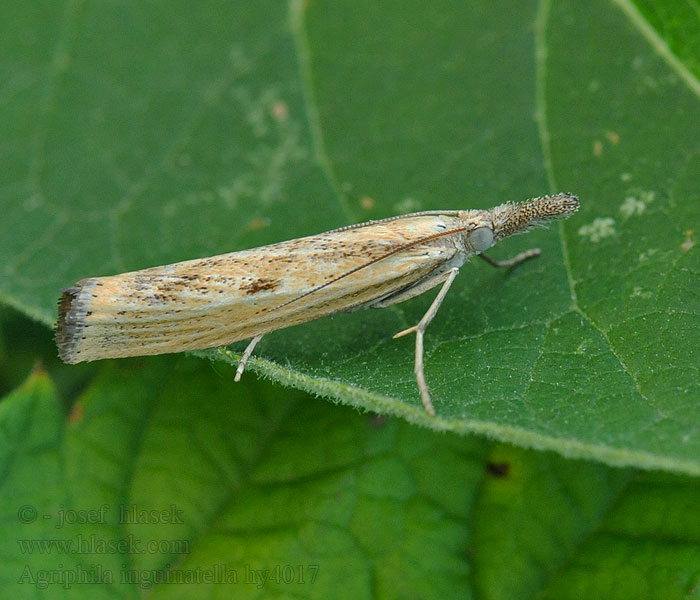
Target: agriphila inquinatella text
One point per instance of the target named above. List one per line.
(209, 302)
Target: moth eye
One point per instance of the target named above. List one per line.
(481, 238)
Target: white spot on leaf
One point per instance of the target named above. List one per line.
(407, 205)
(639, 292)
(632, 206)
(688, 243)
(598, 229)
(636, 205)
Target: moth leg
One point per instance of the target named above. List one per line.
(516, 260)
(419, 330)
(246, 355)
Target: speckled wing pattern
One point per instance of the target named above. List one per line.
(215, 301)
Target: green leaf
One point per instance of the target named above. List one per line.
(164, 473)
(140, 133)
(672, 26)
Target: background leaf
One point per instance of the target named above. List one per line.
(138, 134)
(201, 478)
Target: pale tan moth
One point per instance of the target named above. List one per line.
(209, 302)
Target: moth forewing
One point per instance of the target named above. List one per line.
(215, 301)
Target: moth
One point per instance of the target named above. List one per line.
(210, 302)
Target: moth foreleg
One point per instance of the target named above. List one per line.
(511, 262)
(419, 330)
